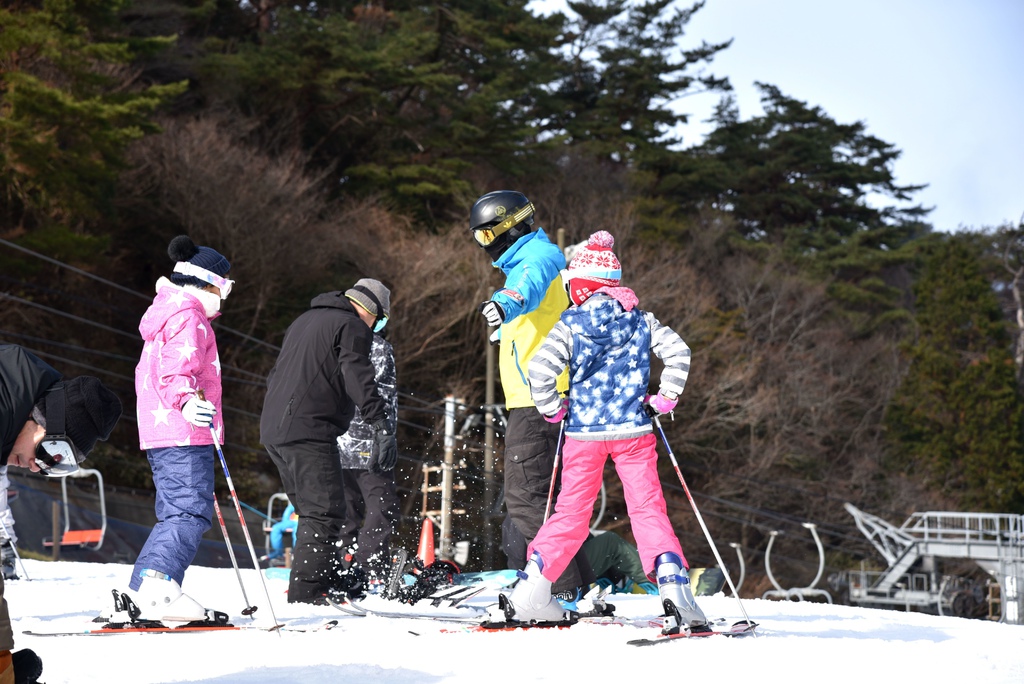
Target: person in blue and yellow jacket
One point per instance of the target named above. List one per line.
(525, 308)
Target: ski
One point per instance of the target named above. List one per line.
(493, 578)
(460, 614)
(395, 576)
(323, 627)
(511, 625)
(454, 595)
(108, 631)
(443, 605)
(610, 620)
(740, 629)
(346, 607)
(152, 629)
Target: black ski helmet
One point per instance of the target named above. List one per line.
(499, 218)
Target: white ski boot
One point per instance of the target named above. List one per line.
(160, 599)
(681, 610)
(531, 599)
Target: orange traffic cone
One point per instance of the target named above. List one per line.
(426, 550)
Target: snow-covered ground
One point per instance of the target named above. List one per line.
(799, 642)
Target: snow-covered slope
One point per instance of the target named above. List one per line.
(799, 642)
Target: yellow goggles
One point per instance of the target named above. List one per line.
(486, 236)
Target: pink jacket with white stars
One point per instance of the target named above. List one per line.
(179, 358)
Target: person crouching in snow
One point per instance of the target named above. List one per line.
(179, 360)
(606, 341)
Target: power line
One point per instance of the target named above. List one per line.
(79, 364)
(119, 357)
(57, 312)
(122, 288)
(72, 268)
(71, 347)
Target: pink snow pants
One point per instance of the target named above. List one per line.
(636, 462)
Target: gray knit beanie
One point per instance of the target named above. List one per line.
(372, 296)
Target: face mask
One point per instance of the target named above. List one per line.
(210, 301)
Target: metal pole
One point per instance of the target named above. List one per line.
(245, 529)
(241, 521)
(700, 519)
(554, 470)
(249, 608)
(489, 482)
(14, 548)
(57, 536)
(446, 478)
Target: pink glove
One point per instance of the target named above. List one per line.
(559, 415)
(661, 403)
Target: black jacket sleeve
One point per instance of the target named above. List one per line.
(24, 379)
(357, 372)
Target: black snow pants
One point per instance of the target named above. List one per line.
(312, 479)
(530, 444)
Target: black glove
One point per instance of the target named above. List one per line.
(27, 666)
(384, 451)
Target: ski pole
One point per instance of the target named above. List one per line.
(700, 519)
(241, 517)
(249, 608)
(554, 470)
(15, 549)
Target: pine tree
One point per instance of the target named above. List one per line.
(957, 415)
(797, 182)
(69, 108)
(400, 100)
(624, 70)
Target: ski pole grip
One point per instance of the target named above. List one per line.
(202, 394)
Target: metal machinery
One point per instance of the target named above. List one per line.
(82, 538)
(994, 541)
(272, 517)
(796, 593)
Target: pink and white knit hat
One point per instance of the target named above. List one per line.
(592, 267)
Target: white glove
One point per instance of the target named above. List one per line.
(493, 312)
(199, 412)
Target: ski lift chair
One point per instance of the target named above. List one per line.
(91, 539)
(268, 522)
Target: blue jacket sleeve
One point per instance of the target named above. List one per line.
(528, 281)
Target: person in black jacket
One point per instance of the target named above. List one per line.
(322, 373)
(49, 425)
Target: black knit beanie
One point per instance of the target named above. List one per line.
(90, 411)
(183, 249)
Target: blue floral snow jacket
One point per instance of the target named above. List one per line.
(608, 352)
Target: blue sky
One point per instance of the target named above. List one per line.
(942, 80)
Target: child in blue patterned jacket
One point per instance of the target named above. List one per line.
(606, 342)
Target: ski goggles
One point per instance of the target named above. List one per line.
(190, 269)
(56, 456)
(486, 236)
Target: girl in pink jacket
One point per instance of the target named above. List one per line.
(176, 425)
